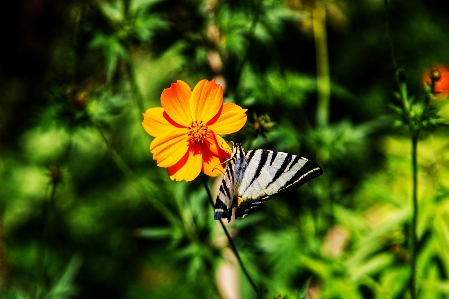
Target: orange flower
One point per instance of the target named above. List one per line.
(186, 127)
(437, 79)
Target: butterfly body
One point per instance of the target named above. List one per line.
(253, 177)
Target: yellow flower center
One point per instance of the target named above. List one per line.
(435, 75)
(197, 131)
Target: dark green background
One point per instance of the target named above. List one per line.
(75, 78)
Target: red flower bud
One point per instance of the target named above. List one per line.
(437, 80)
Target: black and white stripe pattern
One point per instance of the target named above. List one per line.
(253, 177)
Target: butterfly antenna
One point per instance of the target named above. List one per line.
(221, 146)
(225, 161)
(254, 135)
(216, 167)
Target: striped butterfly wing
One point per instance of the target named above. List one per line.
(223, 203)
(253, 177)
(231, 180)
(272, 173)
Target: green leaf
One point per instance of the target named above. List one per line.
(158, 233)
(393, 281)
(112, 50)
(372, 266)
(113, 10)
(320, 268)
(64, 287)
(373, 240)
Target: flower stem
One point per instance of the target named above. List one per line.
(414, 129)
(134, 86)
(231, 243)
(413, 232)
(322, 63)
(121, 164)
(42, 251)
(251, 30)
(414, 133)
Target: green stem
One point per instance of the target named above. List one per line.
(231, 243)
(390, 42)
(152, 198)
(322, 63)
(187, 220)
(42, 251)
(413, 233)
(251, 30)
(134, 86)
(414, 132)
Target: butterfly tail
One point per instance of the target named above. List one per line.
(222, 211)
(244, 208)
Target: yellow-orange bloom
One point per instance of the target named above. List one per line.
(186, 127)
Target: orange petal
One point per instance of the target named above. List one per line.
(156, 121)
(189, 167)
(206, 100)
(212, 164)
(170, 147)
(442, 85)
(217, 145)
(230, 119)
(175, 101)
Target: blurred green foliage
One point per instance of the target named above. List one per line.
(85, 212)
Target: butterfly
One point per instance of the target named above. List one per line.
(252, 177)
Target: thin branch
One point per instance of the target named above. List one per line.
(322, 63)
(252, 28)
(134, 86)
(121, 164)
(390, 42)
(414, 130)
(231, 243)
(42, 251)
(413, 232)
